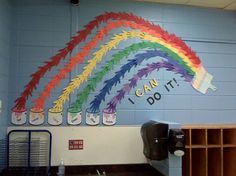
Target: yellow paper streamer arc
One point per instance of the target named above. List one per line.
(98, 55)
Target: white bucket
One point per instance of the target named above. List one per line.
(36, 117)
(54, 118)
(109, 118)
(92, 118)
(73, 117)
(18, 117)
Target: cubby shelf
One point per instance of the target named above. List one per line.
(210, 150)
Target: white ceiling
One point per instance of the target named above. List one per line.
(220, 4)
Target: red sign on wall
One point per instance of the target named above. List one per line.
(76, 144)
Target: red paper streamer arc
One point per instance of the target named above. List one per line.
(40, 101)
(81, 36)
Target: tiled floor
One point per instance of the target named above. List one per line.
(113, 170)
(103, 170)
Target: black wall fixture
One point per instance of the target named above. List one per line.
(155, 140)
(176, 142)
(75, 2)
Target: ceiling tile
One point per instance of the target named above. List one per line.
(210, 3)
(232, 6)
(222, 4)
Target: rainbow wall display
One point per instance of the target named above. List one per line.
(177, 58)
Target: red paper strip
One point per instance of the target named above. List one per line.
(81, 36)
(85, 50)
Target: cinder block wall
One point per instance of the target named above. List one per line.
(5, 30)
(42, 27)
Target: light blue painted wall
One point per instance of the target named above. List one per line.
(5, 24)
(43, 27)
(5, 29)
(40, 29)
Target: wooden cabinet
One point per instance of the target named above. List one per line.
(210, 150)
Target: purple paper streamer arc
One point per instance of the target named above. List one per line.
(138, 59)
(111, 106)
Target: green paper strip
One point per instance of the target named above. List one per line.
(116, 58)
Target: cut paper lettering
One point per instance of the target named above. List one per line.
(144, 72)
(139, 58)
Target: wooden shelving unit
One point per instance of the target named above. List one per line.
(210, 150)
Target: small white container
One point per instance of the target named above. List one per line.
(109, 118)
(36, 117)
(73, 117)
(54, 118)
(61, 169)
(18, 117)
(92, 118)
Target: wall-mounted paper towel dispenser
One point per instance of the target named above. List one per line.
(155, 140)
(158, 140)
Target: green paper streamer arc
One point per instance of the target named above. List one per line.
(116, 58)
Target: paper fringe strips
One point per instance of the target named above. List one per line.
(111, 106)
(92, 82)
(98, 55)
(116, 58)
(39, 103)
(108, 84)
(82, 35)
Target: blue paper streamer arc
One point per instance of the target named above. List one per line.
(138, 59)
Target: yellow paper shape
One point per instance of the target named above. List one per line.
(98, 55)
